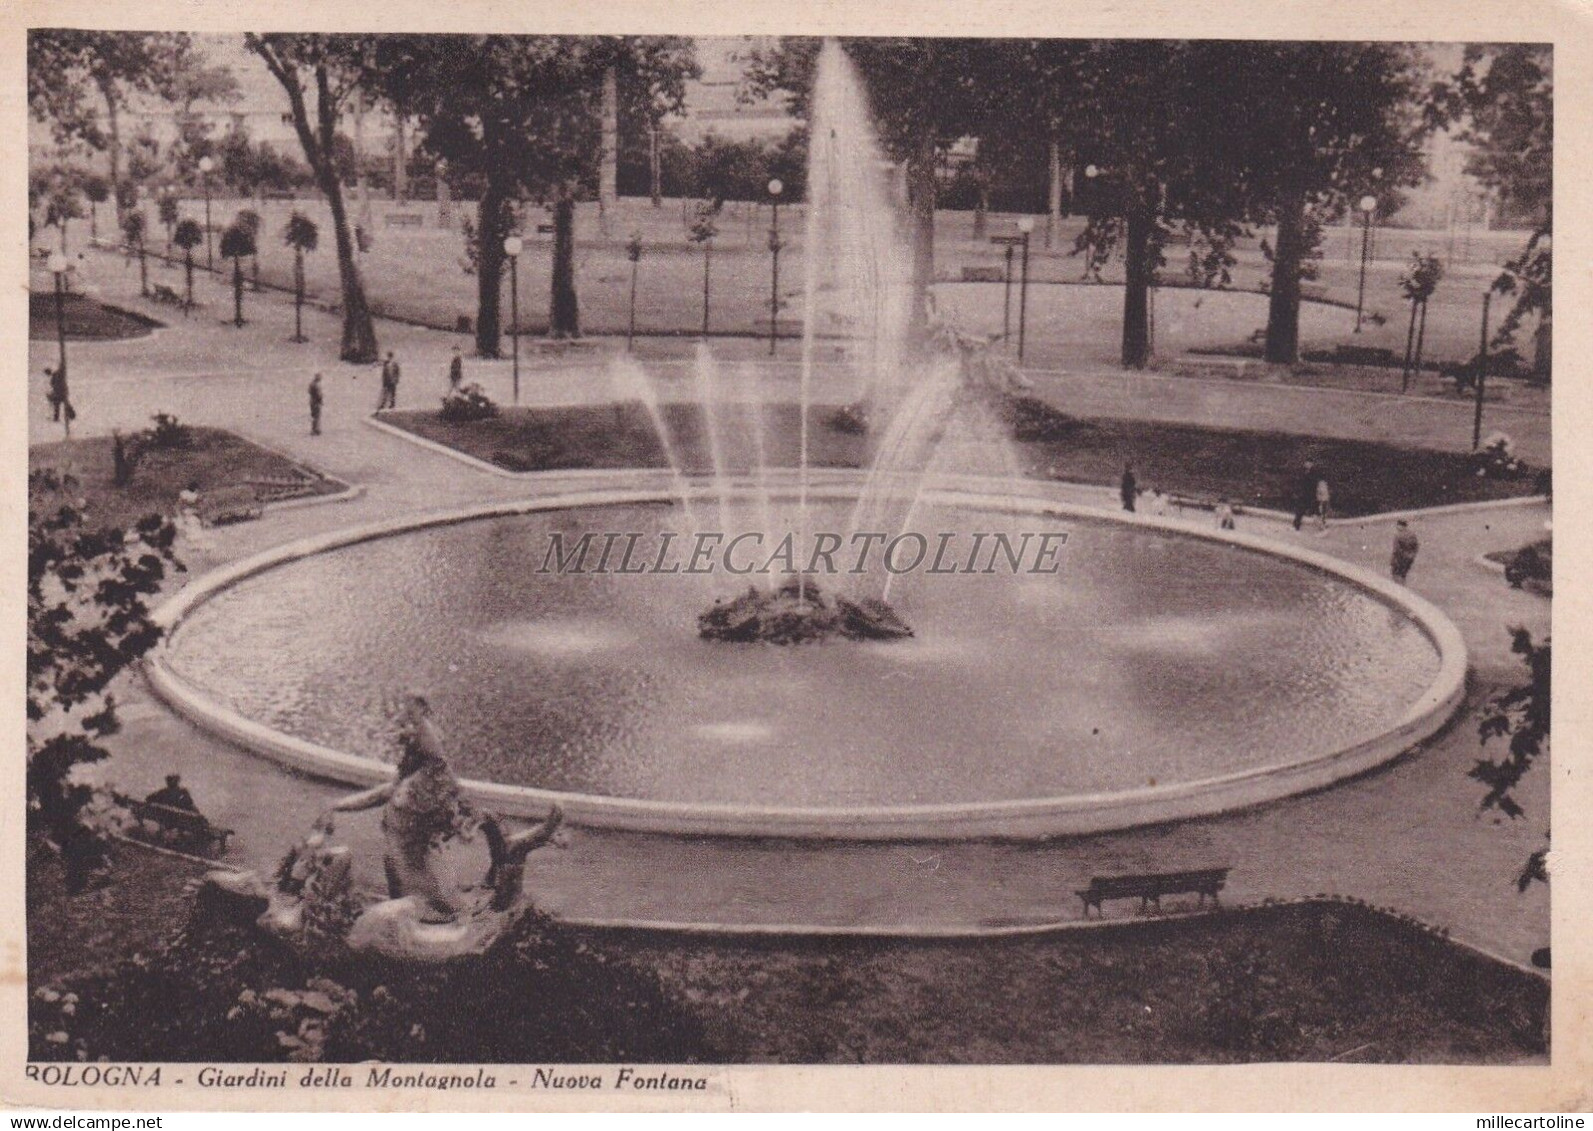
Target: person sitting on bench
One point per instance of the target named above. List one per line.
(173, 796)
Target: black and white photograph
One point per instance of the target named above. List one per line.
(571, 564)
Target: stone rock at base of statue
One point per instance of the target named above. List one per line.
(318, 914)
(399, 929)
(240, 897)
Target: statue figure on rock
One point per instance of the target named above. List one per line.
(422, 810)
(430, 912)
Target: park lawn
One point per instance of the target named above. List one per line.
(1305, 982)
(416, 274)
(1251, 468)
(214, 460)
(1314, 981)
(86, 319)
(135, 913)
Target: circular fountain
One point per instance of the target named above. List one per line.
(1158, 672)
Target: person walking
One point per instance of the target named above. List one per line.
(1225, 519)
(390, 374)
(1406, 545)
(61, 410)
(1324, 503)
(1128, 489)
(316, 400)
(456, 371)
(1305, 493)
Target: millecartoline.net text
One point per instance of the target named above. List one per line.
(751, 553)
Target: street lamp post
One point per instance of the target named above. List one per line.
(205, 165)
(1006, 299)
(1026, 229)
(1367, 205)
(57, 264)
(512, 247)
(1482, 373)
(633, 251)
(776, 187)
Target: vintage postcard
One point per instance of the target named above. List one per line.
(693, 558)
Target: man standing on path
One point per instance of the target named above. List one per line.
(1405, 547)
(390, 373)
(456, 371)
(1305, 493)
(59, 397)
(315, 405)
(1128, 490)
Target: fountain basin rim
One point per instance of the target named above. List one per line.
(1071, 814)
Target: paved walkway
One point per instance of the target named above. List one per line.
(1408, 836)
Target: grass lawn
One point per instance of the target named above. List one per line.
(416, 274)
(1250, 467)
(134, 913)
(1303, 982)
(85, 318)
(214, 460)
(1316, 981)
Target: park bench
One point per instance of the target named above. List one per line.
(544, 229)
(269, 489)
(1149, 887)
(405, 220)
(983, 274)
(227, 505)
(186, 827)
(279, 194)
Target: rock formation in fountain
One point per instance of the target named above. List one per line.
(799, 611)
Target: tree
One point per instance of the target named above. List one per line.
(1339, 121)
(64, 205)
(1522, 715)
(301, 235)
(1149, 165)
(88, 621)
(236, 242)
(64, 64)
(249, 220)
(1508, 93)
(168, 212)
(189, 236)
(332, 66)
(133, 225)
(97, 190)
(702, 230)
(926, 94)
(522, 114)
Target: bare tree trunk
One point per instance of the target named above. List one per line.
(1283, 309)
(359, 335)
(921, 192)
(1136, 288)
(564, 316)
(982, 207)
(1053, 195)
(400, 161)
(608, 158)
(492, 224)
(113, 149)
(656, 163)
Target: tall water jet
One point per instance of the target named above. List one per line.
(632, 382)
(705, 373)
